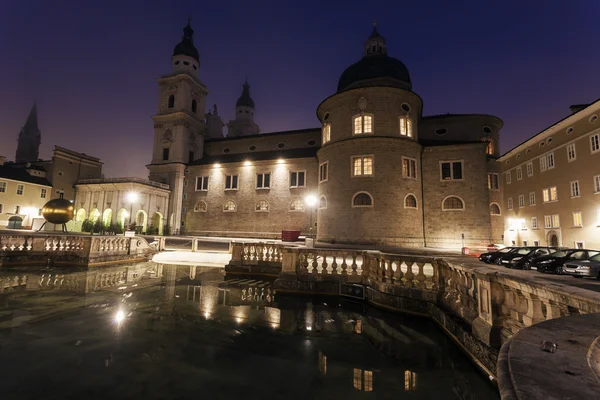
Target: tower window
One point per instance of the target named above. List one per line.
(166, 154)
(363, 124)
(405, 126)
(172, 101)
(194, 106)
(362, 199)
(453, 203)
(176, 62)
(326, 133)
(191, 157)
(186, 63)
(410, 201)
(489, 150)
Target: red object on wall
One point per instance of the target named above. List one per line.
(290, 236)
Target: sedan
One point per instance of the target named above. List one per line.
(522, 257)
(492, 256)
(554, 262)
(582, 268)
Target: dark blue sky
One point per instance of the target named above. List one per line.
(92, 65)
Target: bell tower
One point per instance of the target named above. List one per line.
(179, 126)
(30, 137)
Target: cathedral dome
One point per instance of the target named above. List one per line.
(375, 65)
(186, 46)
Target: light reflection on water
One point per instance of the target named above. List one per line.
(228, 334)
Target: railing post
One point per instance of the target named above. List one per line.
(289, 261)
(236, 250)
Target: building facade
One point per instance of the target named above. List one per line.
(381, 172)
(552, 184)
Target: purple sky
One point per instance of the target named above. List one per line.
(92, 65)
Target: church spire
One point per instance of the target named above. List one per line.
(375, 43)
(30, 138)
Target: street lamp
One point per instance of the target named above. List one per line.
(311, 201)
(131, 198)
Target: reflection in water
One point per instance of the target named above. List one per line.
(178, 324)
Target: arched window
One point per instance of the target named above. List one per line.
(297, 205)
(322, 202)
(194, 106)
(363, 123)
(229, 206)
(494, 209)
(262, 206)
(406, 127)
(451, 203)
(200, 206)
(326, 133)
(362, 199)
(489, 150)
(410, 201)
(172, 101)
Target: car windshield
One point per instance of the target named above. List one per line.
(560, 253)
(596, 257)
(506, 250)
(524, 251)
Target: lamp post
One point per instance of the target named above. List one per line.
(131, 198)
(311, 201)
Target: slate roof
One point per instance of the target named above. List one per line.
(21, 175)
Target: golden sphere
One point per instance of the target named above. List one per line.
(58, 211)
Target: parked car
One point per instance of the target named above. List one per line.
(491, 256)
(495, 247)
(583, 268)
(522, 257)
(554, 262)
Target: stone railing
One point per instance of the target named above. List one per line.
(255, 253)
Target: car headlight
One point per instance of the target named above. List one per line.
(516, 259)
(583, 267)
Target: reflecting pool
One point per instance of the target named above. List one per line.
(157, 331)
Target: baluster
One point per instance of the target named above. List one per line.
(324, 264)
(354, 266)
(344, 264)
(315, 264)
(334, 266)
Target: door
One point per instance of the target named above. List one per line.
(553, 240)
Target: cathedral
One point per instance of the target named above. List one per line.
(374, 171)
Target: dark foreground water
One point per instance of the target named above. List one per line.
(172, 332)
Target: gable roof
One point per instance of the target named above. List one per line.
(21, 175)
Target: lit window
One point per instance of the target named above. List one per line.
(555, 221)
(547, 221)
(322, 363)
(575, 189)
(231, 182)
(532, 198)
(453, 203)
(362, 199)
(534, 224)
(508, 177)
(550, 194)
(494, 209)
(529, 169)
(262, 206)
(322, 202)
(405, 127)
(263, 181)
(571, 154)
(363, 124)
(20, 189)
(409, 167)
(410, 381)
(595, 142)
(410, 201)
(2, 187)
(597, 184)
(493, 182)
(200, 206)
(521, 200)
(510, 203)
(201, 183)
(326, 133)
(357, 380)
(229, 206)
(519, 173)
(323, 172)
(523, 226)
(363, 380)
(43, 193)
(362, 166)
(489, 149)
(297, 205)
(451, 170)
(577, 220)
(297, 179)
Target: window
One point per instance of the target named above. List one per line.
(571, 154)
(20, 189)
(493, 182)
(363, 124)
(363, 382)
(166, 154)
(596, 184)
(575, 189)
(579, 245)
(1, 208)
(489, 149)
(550, 158)
(519, 173)
(171, 101)
(323, 172)
(453, 203)
(524, 243)
(409, 167)
(194, 106)
(452, 170)
(521, 201)
(494, 209)
(529, 169)
(550, 194)
(362, 199)
(577, 220)
(297, 205)
(410, 201)
(185, 196)
(322, 202)
(547, 221)
(263, 181)
(555, 221)
(262, 206)
(190, 157)
(509, 203)
(508, 177)
(43, 193)
(410, 381)
(2, 187)
(229, 206)
(297, 179)
(201, 183)
(534, 224)
(17, 209)
(595, 142)
(326, 133)
(405, 127)
(200, 206)
(543, 165)
(362, 166)
(532, 198)
(231, 182)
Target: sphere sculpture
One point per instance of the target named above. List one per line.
(58, 211)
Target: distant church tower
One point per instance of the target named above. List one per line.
(30, 137)
(243, 124)
(179, 126)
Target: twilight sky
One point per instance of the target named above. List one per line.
(92, 65)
